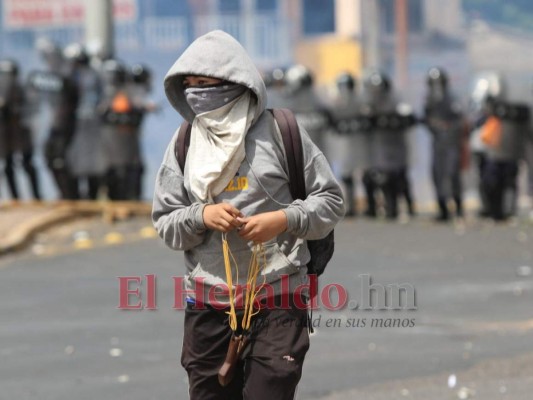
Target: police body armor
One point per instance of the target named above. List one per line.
(15, 133)
(444, 120)
(122, 119)
(505, 133)
(300, 97)
(514, 119)
(60, 94)
(85, 155)
(347, 147)
(385, 121)
(7, 89)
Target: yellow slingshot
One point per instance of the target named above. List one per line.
(239, 342)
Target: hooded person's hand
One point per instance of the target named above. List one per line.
(263, 227)
(221, 217)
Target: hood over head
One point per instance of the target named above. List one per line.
(217, 55)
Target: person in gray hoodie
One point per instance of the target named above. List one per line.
(235, 186)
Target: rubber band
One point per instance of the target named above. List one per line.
(251, 291)
(227, 264)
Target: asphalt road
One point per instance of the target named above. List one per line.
(62, 336)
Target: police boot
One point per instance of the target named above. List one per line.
(133, 182)
(405, 191)
(444, 214)
(65, 183)
(484, 211)
(10, 175)
(32, 175)
(459, 213)
(349, 187)
(496, 204)
(93, 183)
(117, 183)
(409, 200)
(370, 189)
(112, 184)
(138, 177)
(510, 202)
(390, 190)
(122, 183)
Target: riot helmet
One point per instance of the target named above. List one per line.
(298, 77)
(8, 74)
(377, 84)
(9, 67)
(114, 72)
(278, 77)
(488, 86)
(51, 53)
(76, 54)
(345, 81)
(437, 82)
(437, 76)
(141, 74)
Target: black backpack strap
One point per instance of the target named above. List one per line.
(181, 147)
(292, 141)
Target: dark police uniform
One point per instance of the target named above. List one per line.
(15, 134)
(52, 89)
(348, 144)
(386, 120)
(444, 120)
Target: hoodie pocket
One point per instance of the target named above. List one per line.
(277, 264)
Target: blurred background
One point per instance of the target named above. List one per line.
(403, 39)
(405, 97)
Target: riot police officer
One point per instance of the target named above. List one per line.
(487, 84)
(85, 157)
(123, 115)
(348, 143)
(300, 97)
(505, 133)
(444, 120)
(275, 85)
(15, 134)
(529, 159)
(141, 88)
(386, 121)
(53, 91)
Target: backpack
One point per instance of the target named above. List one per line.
(321, 250)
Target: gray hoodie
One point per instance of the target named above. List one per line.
(261, 184)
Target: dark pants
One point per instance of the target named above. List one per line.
(394, 184)
(55, 154)
(272, 361)
(446, 173)
(481, 163)
(86, 187)
(499, 178)
(405, 190)
(370, 189)
(125, 183)
(349, 186)
(29, 168)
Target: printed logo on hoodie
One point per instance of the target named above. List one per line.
(237, 184)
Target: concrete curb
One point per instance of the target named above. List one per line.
(21, 235)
